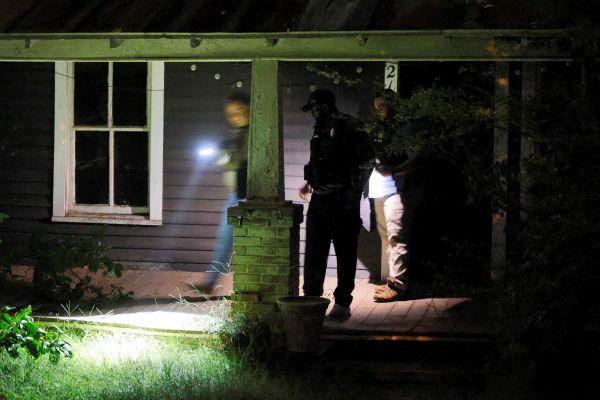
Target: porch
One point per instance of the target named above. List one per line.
(181, 309)
(267, 220)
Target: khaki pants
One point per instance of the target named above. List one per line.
(389, 216)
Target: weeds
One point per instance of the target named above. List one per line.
(124, 366)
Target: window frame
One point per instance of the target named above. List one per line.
(64, 208)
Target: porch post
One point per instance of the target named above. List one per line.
(266, 228)
(498, 256)
(265, 145)
(529, 88)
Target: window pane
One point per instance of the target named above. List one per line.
(131, 168)
(129, 94)
(91, 93)
(91, 167)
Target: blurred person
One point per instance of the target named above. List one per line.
(233, 157)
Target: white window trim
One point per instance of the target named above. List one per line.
(63, 209)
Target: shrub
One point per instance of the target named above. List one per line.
(56, 260)
(452, 135)
(18, 333)
(552, 277)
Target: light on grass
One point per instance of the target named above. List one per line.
(116, 347)
(183, 321)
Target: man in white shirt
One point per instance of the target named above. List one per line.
(385, 190)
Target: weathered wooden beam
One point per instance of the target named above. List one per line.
(531, 74)
(265, 145)
(502, 93)
(437, 45)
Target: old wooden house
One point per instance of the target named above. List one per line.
(105, 104)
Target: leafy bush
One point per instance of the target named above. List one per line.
(18, 332)
(455, 122)
(550, 290)
(56, 260)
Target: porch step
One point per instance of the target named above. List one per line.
(449, 363)
(394, 373)
(456, 362)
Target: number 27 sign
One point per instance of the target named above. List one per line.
(391, 76)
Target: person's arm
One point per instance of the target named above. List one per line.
(226, 156)
(407, 167)
(223, 159)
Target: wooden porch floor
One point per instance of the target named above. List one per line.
(419, 318)
(437, 317)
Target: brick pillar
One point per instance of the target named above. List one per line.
(266, 245)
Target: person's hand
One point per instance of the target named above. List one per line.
(305, 192)
(223, 159)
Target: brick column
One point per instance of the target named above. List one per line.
(266, 242)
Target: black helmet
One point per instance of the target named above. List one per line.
(319, 96)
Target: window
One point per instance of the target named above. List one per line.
(108, 137)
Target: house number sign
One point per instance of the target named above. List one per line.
(391, 76)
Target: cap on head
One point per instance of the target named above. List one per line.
(319, 96)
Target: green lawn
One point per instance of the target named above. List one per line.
(109, 365)
(122, 366)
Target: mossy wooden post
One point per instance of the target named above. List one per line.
(266, 228)
(265, 145)
(498, 258)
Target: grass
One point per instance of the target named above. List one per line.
(125, 366)
(111, 365)
(116, 364)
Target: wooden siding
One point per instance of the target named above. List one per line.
(356, 100)
(26, 142)
(193, 195)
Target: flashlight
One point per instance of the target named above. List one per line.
(206, 152)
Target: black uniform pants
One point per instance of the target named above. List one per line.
(328, 220)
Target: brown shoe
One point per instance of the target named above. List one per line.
(383, 287)
(388, 295)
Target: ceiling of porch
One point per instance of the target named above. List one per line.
(54, 16)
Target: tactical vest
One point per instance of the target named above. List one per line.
(334, 162)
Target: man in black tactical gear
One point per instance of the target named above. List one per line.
(337, 150)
